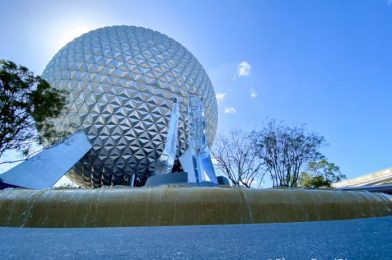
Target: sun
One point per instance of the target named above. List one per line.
(71, 32)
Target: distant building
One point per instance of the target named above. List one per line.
(375, 178)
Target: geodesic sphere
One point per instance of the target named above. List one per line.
(121, 82)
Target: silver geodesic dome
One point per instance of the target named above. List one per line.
(121, 82)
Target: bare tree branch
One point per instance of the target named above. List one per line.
(285, 151)
(237, 158)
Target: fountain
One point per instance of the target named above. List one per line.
(169, 205)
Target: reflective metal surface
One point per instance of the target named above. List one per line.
(44, 169)
(197, 159)
(121, 81)
(164, 163)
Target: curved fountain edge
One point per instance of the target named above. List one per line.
(177, 205)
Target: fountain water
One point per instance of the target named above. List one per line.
(181, 205)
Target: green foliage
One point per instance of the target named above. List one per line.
(28, 105)
(285, 150)
(320, 174)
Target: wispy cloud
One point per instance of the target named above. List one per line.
(253, 93)
(243, 70)
(220, 96)
(230, 110)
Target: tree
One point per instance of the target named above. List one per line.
(285, 150)
(320, 174)
(28, 105)
(237, 158)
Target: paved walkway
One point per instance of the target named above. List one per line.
(352, 239)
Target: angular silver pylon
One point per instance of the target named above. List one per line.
(197, 158)
(44, 169)
(165, 162)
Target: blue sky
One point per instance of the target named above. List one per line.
(327, 64)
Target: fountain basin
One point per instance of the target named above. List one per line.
(167, 206)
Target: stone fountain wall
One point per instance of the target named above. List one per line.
(166, 206)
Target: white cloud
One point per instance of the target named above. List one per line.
(230, 110)
(220, 96)
(243, 69)
(253, 93)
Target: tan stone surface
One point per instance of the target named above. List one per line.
(166, 206)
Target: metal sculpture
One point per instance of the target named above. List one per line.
(164, 163)
(197, 159)
(44, 169)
